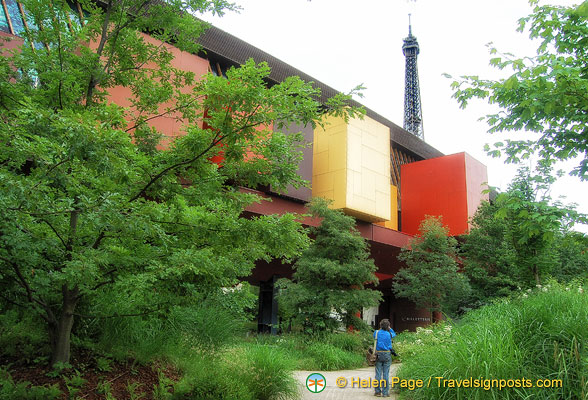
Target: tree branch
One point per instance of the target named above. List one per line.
(118, 315)
(162, 114)
(55, 231)
(214, 142)
(103, 37)
(12, 301)
(73, 227)
(101, 236)
(21, 281)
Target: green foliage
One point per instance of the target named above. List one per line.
(328, 352)
(74, 383)
(431, 279)
(327, 357)
(95, 215)
(540, 334)
(9, 390)
(410, 344)
(132, 391)
(246, 372)
(21, 335)
(572, 248)
(488, 257)
(521, 238)
(267, 373)
(103, 364)
(147, 337)
(544, 93)
(58, 369)
(162, 390)
(206, 378)
(329, 281)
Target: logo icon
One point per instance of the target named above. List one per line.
(316, 383)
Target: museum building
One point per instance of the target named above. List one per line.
(385, 176)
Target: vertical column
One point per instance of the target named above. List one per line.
(267, 321)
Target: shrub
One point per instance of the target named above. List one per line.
(538, 335)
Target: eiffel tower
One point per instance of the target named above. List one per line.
(413, 114)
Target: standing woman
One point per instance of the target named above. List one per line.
(383, 338)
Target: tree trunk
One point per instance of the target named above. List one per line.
(60, 331)
(536, 275)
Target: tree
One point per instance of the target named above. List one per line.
(329, 281)
(521, 238)
(98, 219)
(431, 278)
(533, 222)
(488, 257)
(572, 248)
(546, 94)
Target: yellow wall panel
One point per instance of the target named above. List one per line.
(323, 182)
(321, 163)
(393, 222)
(371, 160)
(351, 166)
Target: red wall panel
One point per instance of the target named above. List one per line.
(448, 186)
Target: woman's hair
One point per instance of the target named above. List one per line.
(385, 324)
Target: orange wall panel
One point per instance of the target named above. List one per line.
(448, 186)
(167, 124)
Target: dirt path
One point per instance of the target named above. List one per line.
(332, 391)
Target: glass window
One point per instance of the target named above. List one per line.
(15, 17)
(4, 27)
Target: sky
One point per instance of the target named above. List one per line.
(344, 43)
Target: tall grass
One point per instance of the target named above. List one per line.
(539, 335)
(203, 327)
(330, 352)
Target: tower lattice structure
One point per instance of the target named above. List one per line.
(413, 114)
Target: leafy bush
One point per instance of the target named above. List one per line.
(540, 334)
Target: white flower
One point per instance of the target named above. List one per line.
(525, 295)
(580, 290)
(567, 289)
(544, 289)
(538, 286)
(528, 290)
